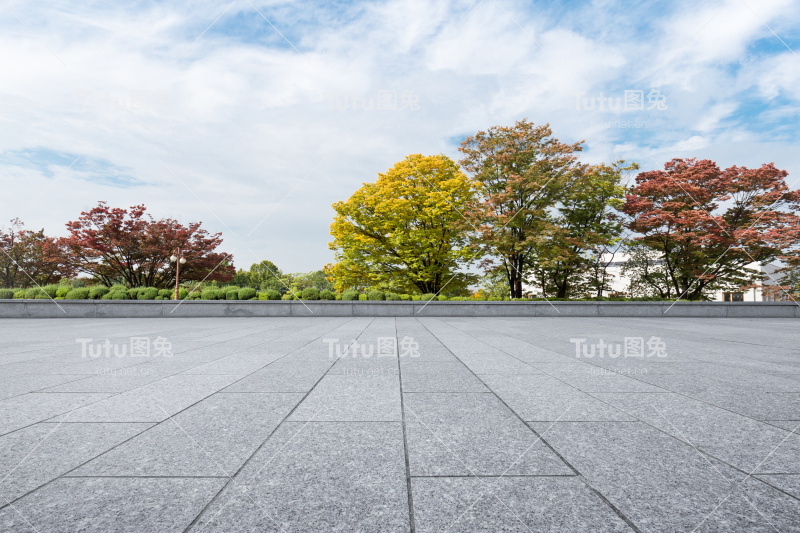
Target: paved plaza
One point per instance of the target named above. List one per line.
(399, 424)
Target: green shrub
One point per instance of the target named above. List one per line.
(405, 297)
(41, 295)
(310, 293)
(362, 297)
(428, 296)
(147, 293)
(376, 295)
(98, 291)
(182, 293)
(19, 294)
(232, 295)
(134, 293)
(51, 290)
(211, 293)
(6, 294)
(62, 291)
(31, 293)
(247, 293)
(230, 289)
(81, 293)
(116, 295)
(443, 298)
(327, 295)
(191, 295)
(350, 295)
(393, 296)
(288, 296)
(166, 294)
(269, 294)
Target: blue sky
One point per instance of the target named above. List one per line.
(255, 117)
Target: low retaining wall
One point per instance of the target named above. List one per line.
(267, 308)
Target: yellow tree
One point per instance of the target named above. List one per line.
(406, 230)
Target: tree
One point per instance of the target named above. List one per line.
(405, 229)
(120, 245)
(585, 226)
(523, 172)
(30, 257)
(705, 224)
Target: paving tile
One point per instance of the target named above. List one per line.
(319, 476)
(17, 385)
(438, 376)
(282, 377)
(496, 364)
(110, 504)
(521, 504)
(353, 398)
(26, 409)
(153, 402)
(745, 443)
(212, 438)
(536, 397)
(454, 434)
(658, 482)
(40, 453)
(788, 483)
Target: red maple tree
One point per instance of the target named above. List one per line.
(127, 245)
(30, 257)
(706, 224)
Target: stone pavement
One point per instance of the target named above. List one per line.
(401, 424)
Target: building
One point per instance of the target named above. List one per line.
(619, 284)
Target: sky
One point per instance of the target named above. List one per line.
(255, 116)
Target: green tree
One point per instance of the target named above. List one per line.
(405, 229)
(523, 172)
(585, 224)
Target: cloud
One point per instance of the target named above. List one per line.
(220, 122)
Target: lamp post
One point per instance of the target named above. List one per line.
(179, 260)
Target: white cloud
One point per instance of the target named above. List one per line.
(241, 119)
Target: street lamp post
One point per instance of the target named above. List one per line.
(179, 260)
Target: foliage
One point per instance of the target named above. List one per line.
(393, 296)
(78, 294)
(269, 294)
(30, 257)
(376, 295)
(247, 293)
(113, 244)
(327, 295)
(210, 293)
(585, 226)
(6, 294)
(167, 293)
(310, 293)
(98, 291)
(350, 295)
(231, 292)
(147, 293)
(707, 224)
(427, 297)
(523, 172)
(405, 228)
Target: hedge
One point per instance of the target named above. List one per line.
(98, 291)
(350, 295)
(327, 295)
(247, 293)
(269, 294)
(376, 295)
(310, 293)
(6, 294)
(78, 294)
(147, 293)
